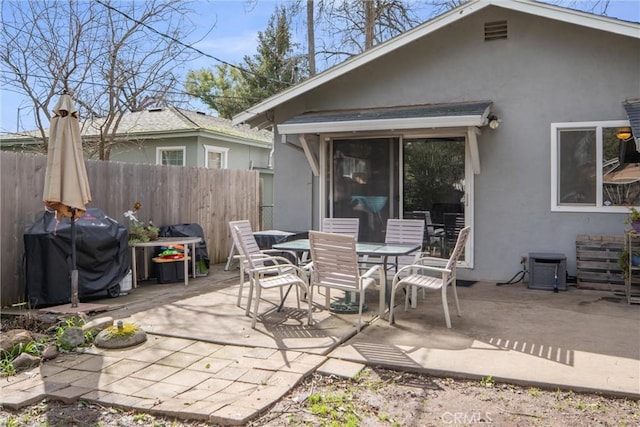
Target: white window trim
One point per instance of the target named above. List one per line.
(160, 150)
(598, 126)
(224, 155)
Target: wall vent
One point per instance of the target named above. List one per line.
(155, 110)
(495, 30)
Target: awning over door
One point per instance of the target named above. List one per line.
(469, 115)
(632, 107)
(390, 118)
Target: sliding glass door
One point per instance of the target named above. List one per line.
(365, 179)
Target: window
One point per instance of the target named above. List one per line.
(215, 157)
(591, 169)
(174, 156)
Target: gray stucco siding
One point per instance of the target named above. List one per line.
(545, 72)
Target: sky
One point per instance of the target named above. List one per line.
(234, 35)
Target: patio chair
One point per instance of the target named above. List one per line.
(403, 231)
(335, 266)
(268, 272)
(418, 277)
(453, 223)
(348, 226)
(259, 256)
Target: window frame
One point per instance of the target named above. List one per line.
(224, 155)
(597, 126)
(160, 150)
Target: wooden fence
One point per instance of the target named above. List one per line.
(169, 195)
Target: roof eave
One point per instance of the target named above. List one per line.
(253, 115)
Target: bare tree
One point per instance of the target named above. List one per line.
(351, 27)
(311, 39)
(114, 57)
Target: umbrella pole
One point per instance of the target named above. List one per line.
(74, 269)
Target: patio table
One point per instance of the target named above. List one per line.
(165, 241)
(382, 250)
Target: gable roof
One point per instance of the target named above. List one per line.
(170, 119)
(160, 122)
(257, 114)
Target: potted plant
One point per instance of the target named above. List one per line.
(634, 219)
(623, 261)
(137, 231)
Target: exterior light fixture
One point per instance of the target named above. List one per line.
(623, 134)
(494, 121)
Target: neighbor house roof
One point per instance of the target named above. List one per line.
(161, 122)
(257, 114)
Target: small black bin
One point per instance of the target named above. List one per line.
(548, 271)
(169, 270)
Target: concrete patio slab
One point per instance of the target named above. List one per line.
(203, 361)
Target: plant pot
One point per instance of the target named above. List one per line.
(636, 226)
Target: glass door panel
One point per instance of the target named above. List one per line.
(363, 184)
(434, 189)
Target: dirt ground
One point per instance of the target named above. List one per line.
(378, 398)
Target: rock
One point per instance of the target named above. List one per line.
(106, 340)
(71, 338)
(98, 324)
(50, 352)
(25, 361)
(14, 337)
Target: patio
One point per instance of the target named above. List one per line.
(579, 340)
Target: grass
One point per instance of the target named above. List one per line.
(334, 410)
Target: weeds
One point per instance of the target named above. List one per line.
(487, 381)
(36, 347)
(534, 391)
(334, 409)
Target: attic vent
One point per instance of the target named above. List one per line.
(154, 110)
(201, 113)
(495, 30)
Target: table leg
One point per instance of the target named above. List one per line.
(145, 254)
(186, 264)
(134, 268)
(193, 260)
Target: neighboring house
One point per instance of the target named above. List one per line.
(173, 136)
(499, 114)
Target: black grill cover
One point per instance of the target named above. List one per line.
(188, 230)
(102, 256)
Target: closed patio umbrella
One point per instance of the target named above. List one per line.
(66, 187)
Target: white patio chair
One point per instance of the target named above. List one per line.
(335, 266)
(245, 233)
(267, 272)
(418, 277)
(347, 226)
(405, 232)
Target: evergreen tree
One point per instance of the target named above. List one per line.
(273, 68)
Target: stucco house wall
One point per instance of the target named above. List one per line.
(545, 72)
